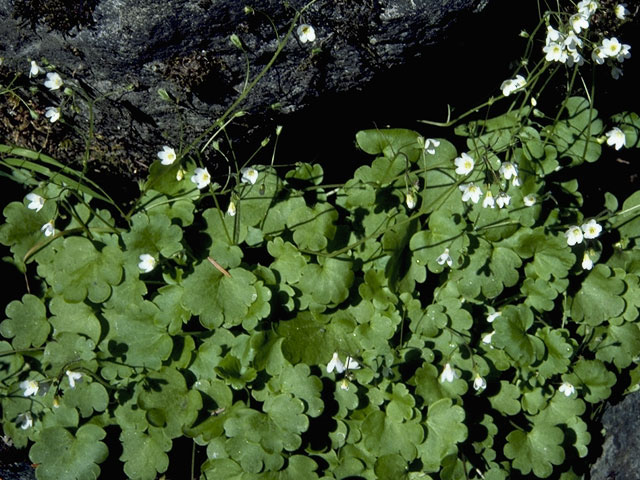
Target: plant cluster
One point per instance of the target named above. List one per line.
(445, 313)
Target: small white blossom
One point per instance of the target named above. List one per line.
(624, 53)
(529, 200)
(515, 181)
(489, 201)
(574, 58)
(572, 42)
(503, 200)
(30, 387)
(36, 202)
(54, 81)
(344, 384)
(567, 389)
(306, 33)
(554, 53)
(445, 258)
(448, 374)
(167, 156)
(231, 209)
(587, 7)
(587, 263)
(411, 200)
(492, 316)
(48, 229)
(621, 11)
(52, 113)
(487, 338)
(574, 235)
(553, 35)
(508, 170)
(591, 229)
(35, 69)
(335, 364)
(73, 377)
(351, 364)
(430, 145)
(180, 174)
(616, 138)
(249, 175)
(479, 383)
(611, 47)
(511, 85)
(616, 72)
(147, 263)
(470, 192)
(201, 177)
(598, 55)
(24, 421)
(464, 163)
(578, 23)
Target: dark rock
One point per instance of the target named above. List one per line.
(127, 49)
(620, 459)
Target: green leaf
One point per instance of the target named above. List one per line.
(167, 399)
(152, 235)
(539, 294)
(74, 318)
(68, 348)
(134, 335)
(80, 271)
(507, 399)
(383, 436)
(620, 345)
(288, 262)
(390, 142)
(144, 454)
(445, 429)
(59, 454)
(511, 334)
(328, 281)
(599, 299)
(538, 449)
(627, 220)
(27, 323)
(558, 351)
(87, 397)
(217, 298)
(592, 379)
(313, 227)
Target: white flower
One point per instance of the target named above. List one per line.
(553, 35)
(578, 22)
(35, 69)
(624, 53)
(430, 145)
(344, 384)
(306, 33)
(616, 138)
(448, 374)
(231, 209)
(24, 420)
(572, 42)
(529, 200)
(167, 156)
(464, 163)
(445, 258)
(492, 316)
(567, 389)
(249, 175)
(30, 387)
(147, 263)
(201, 178)
(470, 192)
(52, 113)
(616, 72)
(513, 84)
(335, 364)
(574, 235)
(574, 58)
(554, 53)
(411, 200)
(73, 377)
(36, 202)
(587, 263)
(598, 55)
(48, 229)
(487, 338)
(621, 11)
(591, 229)
(587, 7)
(479, 383)
(180, 174)
(351, 364)
(503, 200)
(488, 201)
(611, 47)
(54, 81)
(508, 170)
